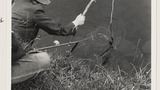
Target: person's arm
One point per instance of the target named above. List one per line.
(17, 50)
(51, 27)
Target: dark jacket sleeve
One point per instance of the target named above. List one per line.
(17, 50)
(51, 27)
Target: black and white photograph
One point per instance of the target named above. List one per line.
(81, 45)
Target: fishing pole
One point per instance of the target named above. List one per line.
(109, 27)
(59, 45)
(74, 42)
(84, 13)
(88, 6)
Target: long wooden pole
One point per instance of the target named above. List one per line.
(59, 45)
(87, 7)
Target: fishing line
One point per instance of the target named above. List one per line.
(110, 47)
(111, 15)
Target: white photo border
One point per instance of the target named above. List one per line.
(5, 46)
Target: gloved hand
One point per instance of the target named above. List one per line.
(80, 19)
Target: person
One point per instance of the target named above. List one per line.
(28, 17)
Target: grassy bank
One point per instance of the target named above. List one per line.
(74, 74)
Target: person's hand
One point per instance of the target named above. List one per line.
(80, 19)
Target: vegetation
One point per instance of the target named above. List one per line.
(74, 74)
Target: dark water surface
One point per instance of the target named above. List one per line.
(131, 26)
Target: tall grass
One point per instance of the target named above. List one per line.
(74, 74)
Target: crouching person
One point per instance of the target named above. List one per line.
(27, 65)
(28, 16)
